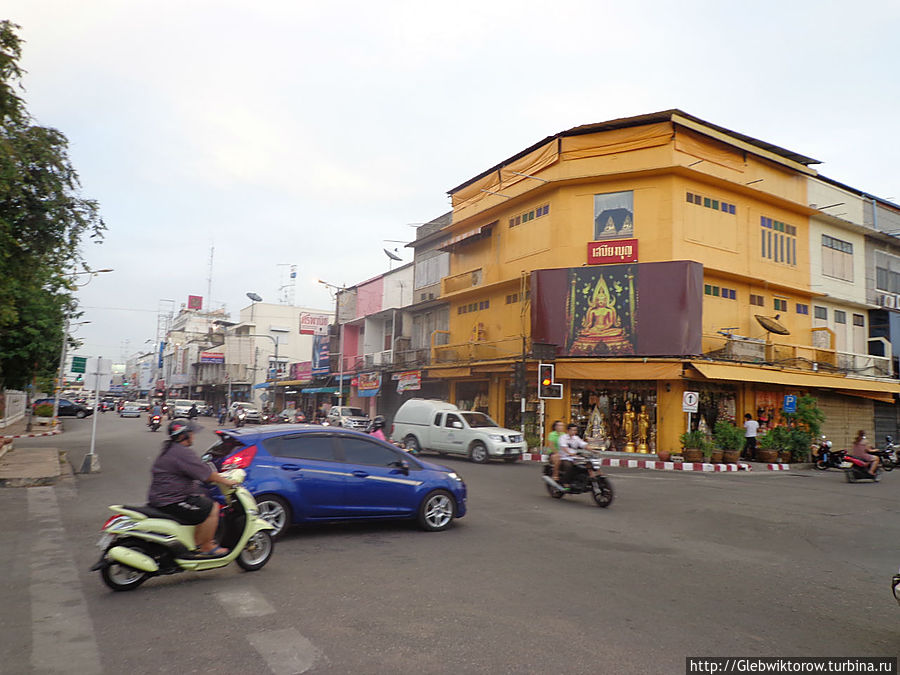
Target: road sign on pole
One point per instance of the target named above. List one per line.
(689, 401)
(790, 403)
(79, 364)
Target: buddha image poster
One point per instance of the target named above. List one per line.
(602, 311)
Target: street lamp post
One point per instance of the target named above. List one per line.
(60, 375)
(337, 319)
(274, 377)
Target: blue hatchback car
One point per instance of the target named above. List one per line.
(307, 473)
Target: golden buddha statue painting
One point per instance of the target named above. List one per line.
(600, 329)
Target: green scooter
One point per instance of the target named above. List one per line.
(140, 542)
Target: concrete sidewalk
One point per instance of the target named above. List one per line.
(18, 430)
(30, 467)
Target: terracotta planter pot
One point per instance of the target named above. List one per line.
(692, 454)
(716, 456)
(663, 455)
(767, 456)
(731, 456)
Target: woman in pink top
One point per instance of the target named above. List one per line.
(861, 449)
(375, 428)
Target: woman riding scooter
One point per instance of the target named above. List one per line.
(177, 486)
(376, 426)
(861, 449)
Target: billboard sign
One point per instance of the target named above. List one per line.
(301, 371)
(313, 324)
(195, 302)
(615, 251)
(637, 309)
(212, 357)
(411, 380)
(368, 384)
(321, 362)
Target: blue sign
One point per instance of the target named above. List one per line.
(321, 361)
(790, 403)
(162, 346)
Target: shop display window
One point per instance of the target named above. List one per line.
(617, 416)
(472, 396)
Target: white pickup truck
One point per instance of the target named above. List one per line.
(438, 426)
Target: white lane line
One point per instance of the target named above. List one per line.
(285, 651)
(62, 633)
(244, 603)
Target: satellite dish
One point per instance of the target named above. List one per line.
(772, 325)
(254, 297)
(392, 256)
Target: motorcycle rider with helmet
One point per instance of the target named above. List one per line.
(155, 411)
(861, 449)
(376, 426)
(176, 486)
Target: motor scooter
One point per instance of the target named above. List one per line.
(580, 480)
(856, 469)
(826, 457)
(140, 542)
(888, 454)
(155, 421)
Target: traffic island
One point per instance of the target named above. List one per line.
(30, 467)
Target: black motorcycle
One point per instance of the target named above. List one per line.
(154, 423)
(827, 458)
(580, 480)
(888, 454)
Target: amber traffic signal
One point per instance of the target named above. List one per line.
(547, 388)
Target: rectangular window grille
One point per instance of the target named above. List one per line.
(802, 309)
(820, 312)
(757, 300)
(780, 305)
(859, 320)
(840, 316)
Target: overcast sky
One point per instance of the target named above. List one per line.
(293, 132)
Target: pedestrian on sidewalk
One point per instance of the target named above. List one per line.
(751, 429)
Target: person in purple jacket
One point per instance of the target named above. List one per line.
(177, 489)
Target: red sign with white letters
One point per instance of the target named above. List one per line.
(612, 251)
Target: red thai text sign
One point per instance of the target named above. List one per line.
(612, 251)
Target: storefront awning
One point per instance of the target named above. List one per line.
(291, 383)
(319, 390)
(449, 372)
(716, 371)
(466, 237)
(617, 370)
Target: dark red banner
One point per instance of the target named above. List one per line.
(639, 309)
(612, 251)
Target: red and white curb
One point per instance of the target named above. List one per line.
(667, 466)
(45, 433)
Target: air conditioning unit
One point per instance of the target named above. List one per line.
(886, 300)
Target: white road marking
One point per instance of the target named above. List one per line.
(62, 633)
(244, 603)
(285, 651)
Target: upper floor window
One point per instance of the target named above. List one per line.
(837, 258)
(710, 203)
(859, 320)
(887, 272)
(820, 312)
(538, 212)
(758, 300)
(614, 215)
(780, 305)
(840, 316)
(779, 241)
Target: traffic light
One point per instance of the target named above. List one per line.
(547, 388)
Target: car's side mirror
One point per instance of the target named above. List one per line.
(457, 425)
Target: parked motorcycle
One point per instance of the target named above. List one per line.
(888, 454)
(581, 481)
(826, 457)
(858, 469)
(155, 421)
(140, 542)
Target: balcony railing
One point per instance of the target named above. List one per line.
(462, 281)
(803, 357)
(476, 350)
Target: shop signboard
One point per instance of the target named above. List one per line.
(195, 302)
(368, 384)
(614, 251)
(313, 324)
(410, 380)
(637, 309)
(212, 357)
(302, 371)
(320, 355)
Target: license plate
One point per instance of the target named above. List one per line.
(104, 541)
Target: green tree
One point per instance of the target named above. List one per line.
(43, 220)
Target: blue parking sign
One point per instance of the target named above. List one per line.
(790, 403)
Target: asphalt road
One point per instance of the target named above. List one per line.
(680, 565)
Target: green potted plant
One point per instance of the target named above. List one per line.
(730, 439)
(44, 410)
(694, 444)
(806, 425)
(775, 440)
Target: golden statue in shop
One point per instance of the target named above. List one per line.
(596, 425)
(643, 430)
(628, 426)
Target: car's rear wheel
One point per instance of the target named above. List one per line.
(80, 414)
(437, 511)
(275, 511)
(478, 453)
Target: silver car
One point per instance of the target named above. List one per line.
(130, 410)
(348, 417)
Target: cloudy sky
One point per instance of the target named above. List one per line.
(308, 133)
